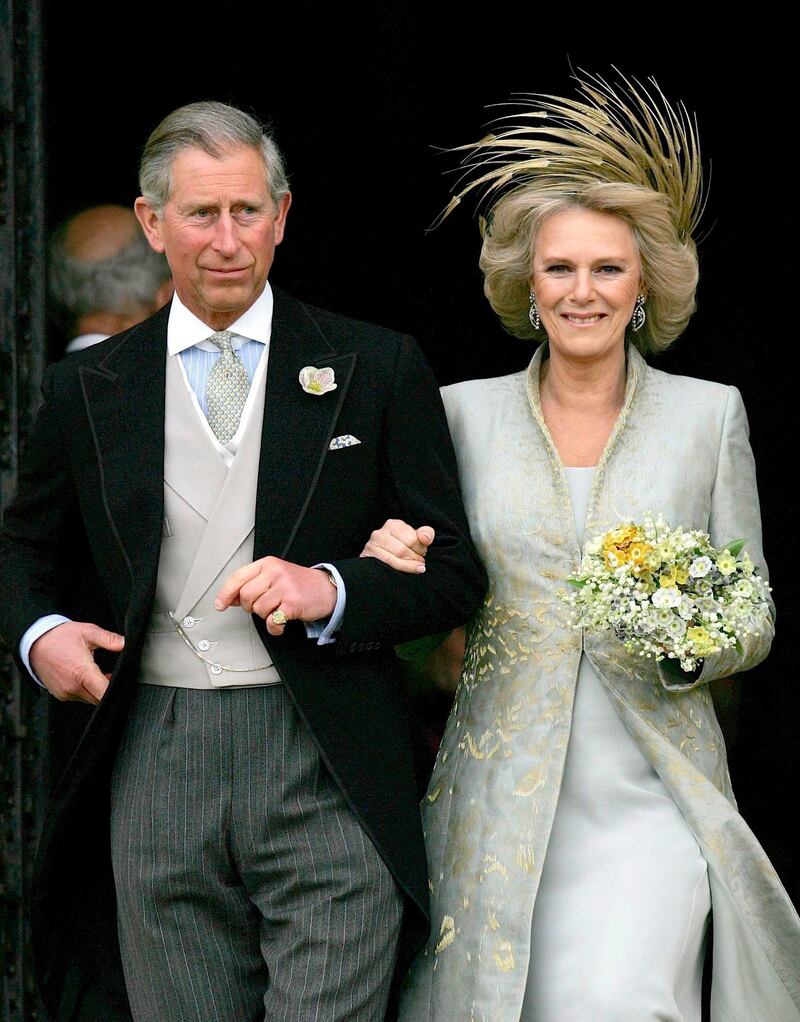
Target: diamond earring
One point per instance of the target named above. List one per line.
(639, 315)
(533, 312)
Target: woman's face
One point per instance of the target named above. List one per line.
(586, 276)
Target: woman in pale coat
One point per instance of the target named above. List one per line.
(580, 823)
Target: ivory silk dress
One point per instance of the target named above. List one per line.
(621, 864)
(491, 818)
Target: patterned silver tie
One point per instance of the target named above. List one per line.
(226, 389)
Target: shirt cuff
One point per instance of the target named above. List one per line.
(36, 631)
(325, 632)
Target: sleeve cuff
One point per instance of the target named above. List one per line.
(325, 631)
(36, 631)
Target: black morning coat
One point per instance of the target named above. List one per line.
(90, 506)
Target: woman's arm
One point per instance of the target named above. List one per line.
(735, 514)
(418, 483)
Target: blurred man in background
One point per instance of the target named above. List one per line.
(104, 277)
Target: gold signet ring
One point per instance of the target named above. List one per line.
(278, 617)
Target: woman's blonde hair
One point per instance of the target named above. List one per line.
(621, 151)
(669, 266)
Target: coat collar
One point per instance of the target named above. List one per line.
(636, 368)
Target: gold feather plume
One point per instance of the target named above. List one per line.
(627, 134)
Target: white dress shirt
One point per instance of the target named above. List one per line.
(83, 341)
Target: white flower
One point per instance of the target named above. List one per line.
(669, 597)
(677, 627)
(317, 381)
(707, 605)
(686, 608)
(700, 567)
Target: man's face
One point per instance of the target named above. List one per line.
(219, 229)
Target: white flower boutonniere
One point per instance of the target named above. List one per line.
(317, 381)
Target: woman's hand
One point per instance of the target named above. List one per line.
(400, 546)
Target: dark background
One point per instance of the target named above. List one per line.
(362, 100)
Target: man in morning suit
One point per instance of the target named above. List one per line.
(217, 469)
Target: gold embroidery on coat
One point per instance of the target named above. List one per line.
(447, 934)
(504, 957)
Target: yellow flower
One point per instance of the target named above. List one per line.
(701, 640)
(726, 562)
(637, 555)
(646, 579)
(673, 575)
(614, 557)
(622, 536)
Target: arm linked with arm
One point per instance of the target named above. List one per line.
(387, 607)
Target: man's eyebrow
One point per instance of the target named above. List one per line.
(197, 204)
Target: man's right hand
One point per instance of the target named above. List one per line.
(63, 660)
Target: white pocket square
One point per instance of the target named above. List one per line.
(343, 441)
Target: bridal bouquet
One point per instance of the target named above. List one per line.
(667, 593)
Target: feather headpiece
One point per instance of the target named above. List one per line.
(629, 134)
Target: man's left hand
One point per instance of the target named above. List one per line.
(270, 584)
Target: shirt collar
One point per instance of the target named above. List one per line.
(84, 341)
(185, 330)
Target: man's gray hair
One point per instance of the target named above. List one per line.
(216, 129)
(123, 283)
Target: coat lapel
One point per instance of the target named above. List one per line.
(297, 426)
(124, 397)
(636, 366)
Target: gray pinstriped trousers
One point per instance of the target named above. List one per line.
(246, 889)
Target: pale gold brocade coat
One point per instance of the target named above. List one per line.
(680, 447)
